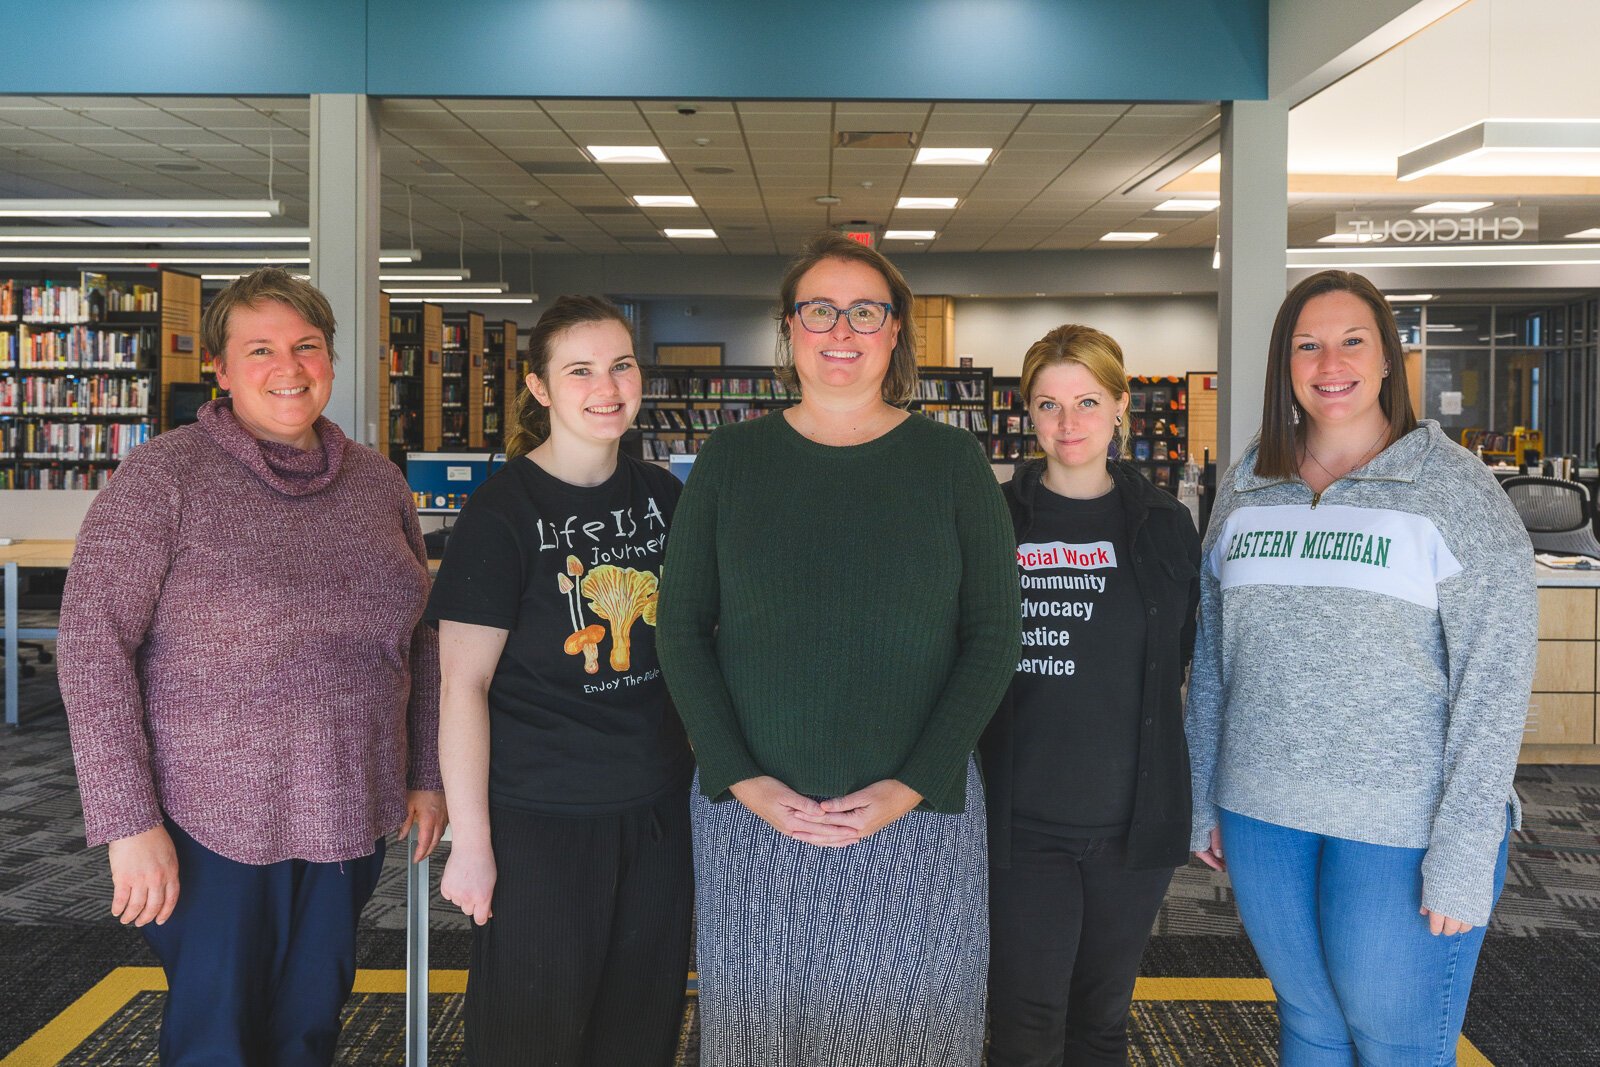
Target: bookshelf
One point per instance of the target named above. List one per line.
(405, 382)
(683, 405)
(382, 443)
(432, 325)
(1158, 423)
(1011, 437)
(461, 382)
(84, 359)
(499, 381)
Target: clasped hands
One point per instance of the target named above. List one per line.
(831, 823)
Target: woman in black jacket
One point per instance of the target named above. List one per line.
(1085, 762)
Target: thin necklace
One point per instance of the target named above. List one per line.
(1371, 450)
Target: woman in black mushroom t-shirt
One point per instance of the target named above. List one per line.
(565, 766)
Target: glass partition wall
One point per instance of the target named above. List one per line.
(1501, 366)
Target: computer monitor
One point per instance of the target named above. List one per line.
(184, 400)
(442, 481)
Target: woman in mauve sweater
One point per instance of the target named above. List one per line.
(252, 700)
(838, 620)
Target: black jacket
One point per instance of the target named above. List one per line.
(1166, 568)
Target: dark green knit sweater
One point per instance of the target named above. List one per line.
(835, 616)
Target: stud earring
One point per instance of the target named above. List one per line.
(1119, 420)
(1386, 370)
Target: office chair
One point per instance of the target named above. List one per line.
(1555, 514)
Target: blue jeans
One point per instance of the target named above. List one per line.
(1358, 976)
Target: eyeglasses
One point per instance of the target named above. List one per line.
(819, 316)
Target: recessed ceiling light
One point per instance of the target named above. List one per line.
(828, 200)
(626, 153)
(1452, 207)
(1131, 235)
(691, 235)
(926, 203)
(909, 235)
(1407, 298)
(952, 157)
(665, 201)
(1589, 234)
(1189, 205)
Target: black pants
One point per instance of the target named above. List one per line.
(259, 959)
(585, 960)
(1068, 923)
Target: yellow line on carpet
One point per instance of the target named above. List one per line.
(61, 1035)
(84, 1016)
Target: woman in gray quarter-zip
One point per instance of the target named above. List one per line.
(1361, 676)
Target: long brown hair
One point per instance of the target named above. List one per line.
(900, 381)
(531, 421)
(1283, 424)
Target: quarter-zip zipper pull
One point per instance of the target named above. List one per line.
(1315, 498)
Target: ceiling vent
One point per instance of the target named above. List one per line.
(559, 166)
(875, 139)
(715, 170)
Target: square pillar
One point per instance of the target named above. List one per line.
(345, 224)
(1254, 232)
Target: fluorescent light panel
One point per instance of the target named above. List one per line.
(1510, 148)
(84, 208)
(910, 235)
(1131, 235)
(1589, 234)
(504, 298)
(926, 203)
(1452, 207)
(691, 235)
(952, 157)
(1407, 298)
(424, 274)
(237, 276)
(152, 257)
(484, 288)
(665, 201)
(626, 153)
(1503, 255)
(139, 235)
(1189, 205)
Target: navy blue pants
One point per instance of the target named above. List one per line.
(259, 959)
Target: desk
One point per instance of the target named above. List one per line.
(1565, 708)
(37, 554)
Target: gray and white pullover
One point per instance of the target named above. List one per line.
(1364, 660)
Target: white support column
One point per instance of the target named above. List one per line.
(1254, 228)
(344, 251)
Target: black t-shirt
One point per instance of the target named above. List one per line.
(579, 719)
(1079, 682)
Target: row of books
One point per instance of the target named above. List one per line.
(454, 363)
(975, 421)
(453, 393)
(91, 477)
(88, 395)
(1014, 449)
(716, 389)
(656, 448)
(405, 361)
(455, 336)
(670, 419)
(409, 323)
(1012, 424)
(79, 348)
(1145, 450)
(78, 440)
(1145, 426)
(405, 395)
(49, 302)
(968, 391)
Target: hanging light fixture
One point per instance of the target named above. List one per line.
(1510, 147)
(84, 208)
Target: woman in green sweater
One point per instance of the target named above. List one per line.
(838, 620)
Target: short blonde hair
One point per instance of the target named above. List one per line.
(268, 283)
(1091, 349)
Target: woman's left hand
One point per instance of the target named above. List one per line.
(871, 809)
(425, 807)
(1443, 924)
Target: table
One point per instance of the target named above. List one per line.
(37, 554)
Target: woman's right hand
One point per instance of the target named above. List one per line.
(144, 877)
(792, 814)
(1212, 857)
(468, 880)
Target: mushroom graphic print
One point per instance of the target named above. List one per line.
(620, 596)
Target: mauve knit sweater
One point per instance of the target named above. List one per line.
(242, 648)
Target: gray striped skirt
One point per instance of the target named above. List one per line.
(874, 955)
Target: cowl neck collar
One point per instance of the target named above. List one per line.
(284, 468)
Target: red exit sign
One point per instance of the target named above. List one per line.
(860, 237)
